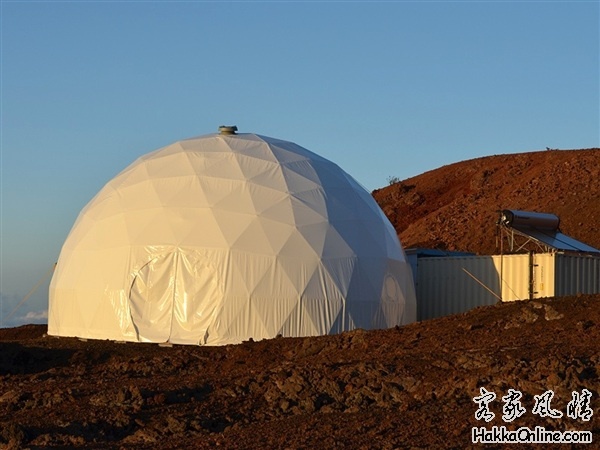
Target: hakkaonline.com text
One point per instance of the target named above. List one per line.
(525, 435)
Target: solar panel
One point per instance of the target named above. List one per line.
(542, 228)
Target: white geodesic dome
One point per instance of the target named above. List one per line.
(221, 238)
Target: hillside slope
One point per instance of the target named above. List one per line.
(455, 207)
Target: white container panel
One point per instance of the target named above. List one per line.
(514, 272)
(544, 275)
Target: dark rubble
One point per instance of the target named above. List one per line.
(406, 387)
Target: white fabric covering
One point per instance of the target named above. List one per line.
(221, 238)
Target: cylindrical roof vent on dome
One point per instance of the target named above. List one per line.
(227, 129)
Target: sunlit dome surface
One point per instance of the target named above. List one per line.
(224, 237)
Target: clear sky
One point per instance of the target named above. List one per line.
(384, 89)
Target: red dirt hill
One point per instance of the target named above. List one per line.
(455, 207)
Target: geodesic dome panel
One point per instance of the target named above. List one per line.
(221, 238)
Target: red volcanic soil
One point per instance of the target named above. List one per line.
(455, 207)
(407, 387)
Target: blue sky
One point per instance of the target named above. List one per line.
(381, 88)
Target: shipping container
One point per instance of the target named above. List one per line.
(451, 285)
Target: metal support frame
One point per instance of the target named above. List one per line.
(518, 242)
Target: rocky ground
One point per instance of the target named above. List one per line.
(408, 387)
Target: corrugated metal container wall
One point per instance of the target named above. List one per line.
(443, 286)
(577, 275)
